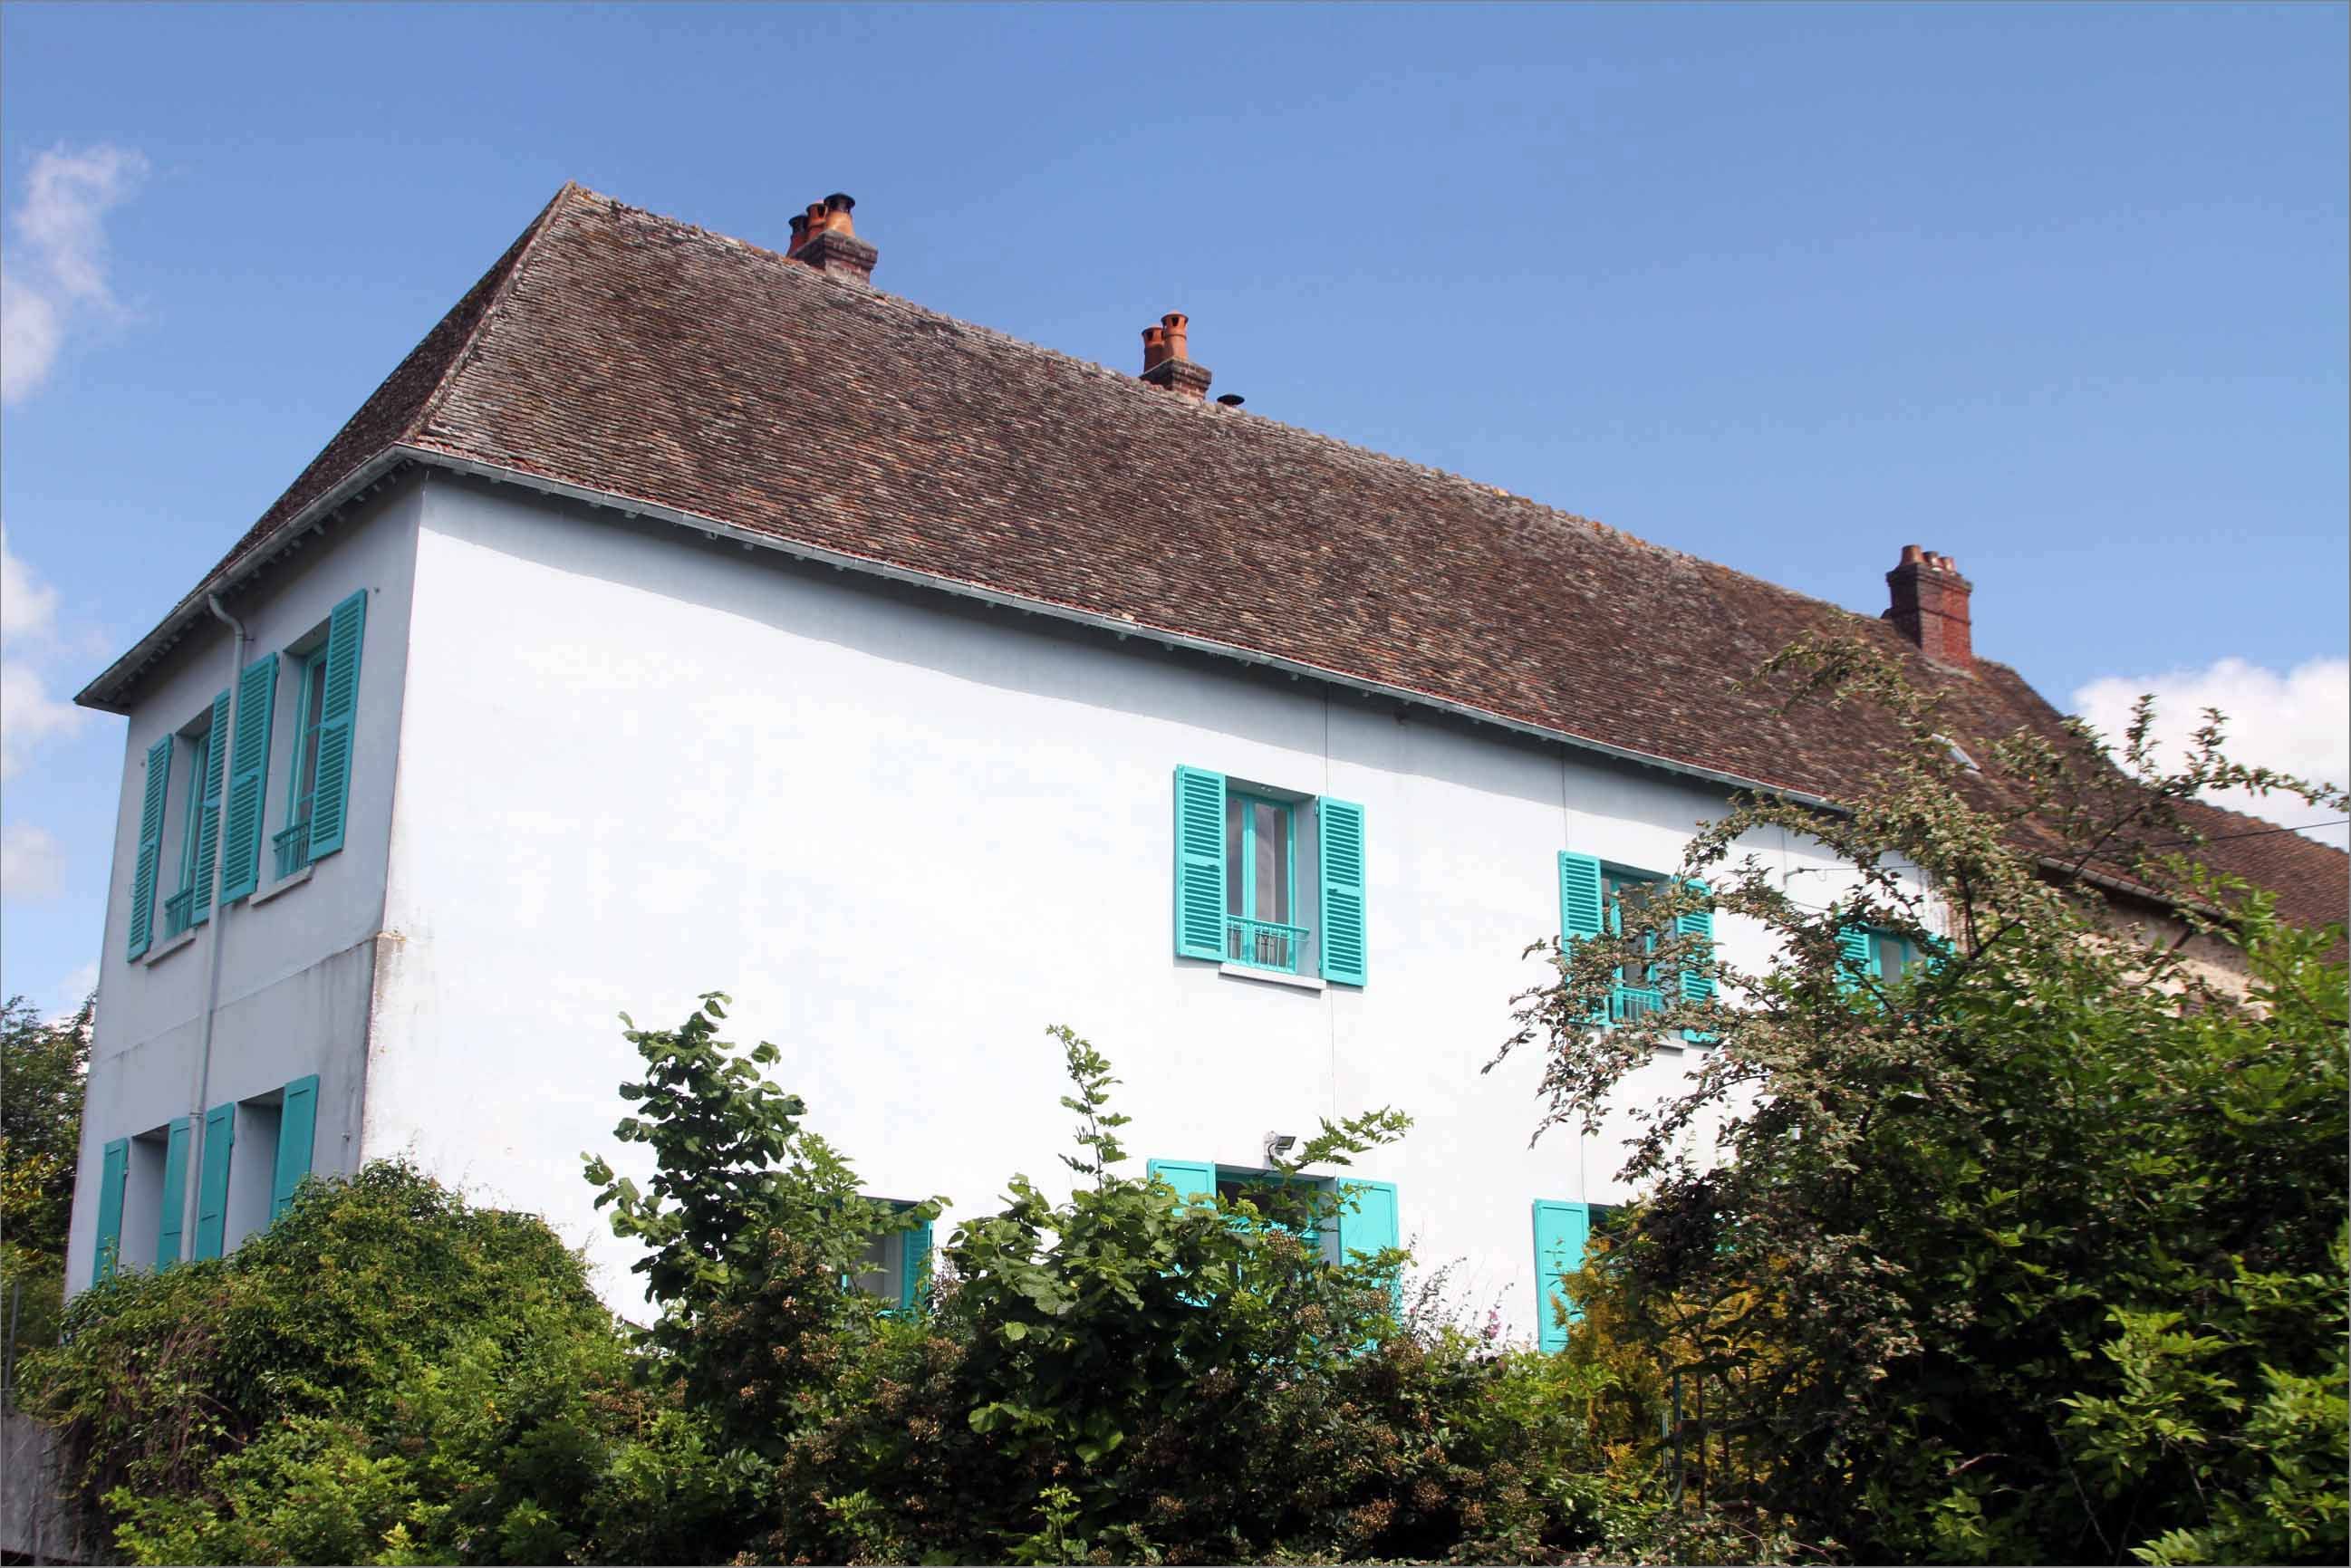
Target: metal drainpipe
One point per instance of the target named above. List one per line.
(194, 1185)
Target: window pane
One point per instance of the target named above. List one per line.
(1892, 953)
(1272, 869)
(1235, 874)
(314, 703)
(878, 1275)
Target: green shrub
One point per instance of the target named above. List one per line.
(2034, 1254)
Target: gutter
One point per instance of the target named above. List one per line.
(104, 693)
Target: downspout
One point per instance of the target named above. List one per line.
(194, 1182)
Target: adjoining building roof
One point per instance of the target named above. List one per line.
(614, 352)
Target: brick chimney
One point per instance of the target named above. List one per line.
(1930, 606)
(823, 238)
(1164, 361)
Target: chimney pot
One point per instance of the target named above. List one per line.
(825, 239)
(1930, 606)
(1166, 362)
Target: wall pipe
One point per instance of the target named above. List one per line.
(194, 1184)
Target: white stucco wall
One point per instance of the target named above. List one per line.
(297, 969)
(906, 837)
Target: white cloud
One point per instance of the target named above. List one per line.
(66, 1000)
(30, 713)
(54, 271)
(32, 863)
(28, 607)
(2296, 722)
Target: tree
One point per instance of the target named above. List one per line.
(44, 1066)
(2035, 1251)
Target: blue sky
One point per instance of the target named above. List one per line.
(2058, 291)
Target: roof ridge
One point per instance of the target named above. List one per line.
(1280, 429)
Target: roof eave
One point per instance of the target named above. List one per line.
(109, 693)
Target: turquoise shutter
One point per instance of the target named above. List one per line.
(170, 1224)
(1368, 1225)
(1561, 1231)
(1582, 911)
(208, 835)
(1339, 834)
(1698, 979)
(105, 1247)
(331, 782)
(1583, 907)
(212, 1196)
(297, 1126)
(150, 846)
(1193, 1181)
(915, 1256)
(1199, 863)
(249, 778)
(1854, 961)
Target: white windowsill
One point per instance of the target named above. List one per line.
(1271, 976)
(157, 955)
(285, 885)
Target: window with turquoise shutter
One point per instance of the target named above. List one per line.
(897, 1265)
(1600, 898)
(190, 901)
(291, 843)
(1239, 898)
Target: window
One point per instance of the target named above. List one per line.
(143, 1182)
(1599, 899)
(897, 1263)
(1638, 990)
(1868, 953)
(292, 842)
(1238, 898)
(1892, 957)
(1261, 883)
(1366, 1222)
(190, 905)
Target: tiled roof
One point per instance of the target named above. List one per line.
(626, 353)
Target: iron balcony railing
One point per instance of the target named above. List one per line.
(1631, 1001)
(179, 912)
(293, 846)
(1262, 945)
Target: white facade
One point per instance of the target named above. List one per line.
(609, 765)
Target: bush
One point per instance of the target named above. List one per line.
(2035, 1253)
(385, 1375)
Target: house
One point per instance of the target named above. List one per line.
(682, 615)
